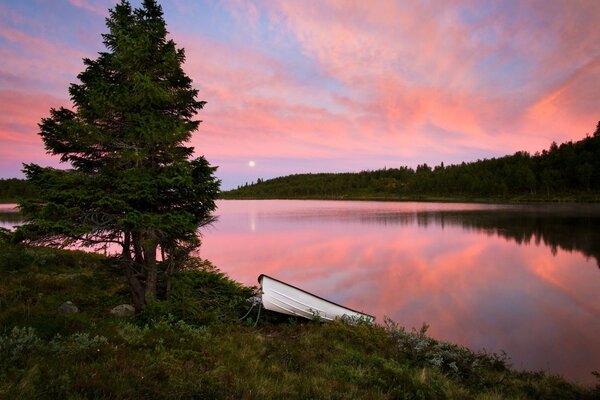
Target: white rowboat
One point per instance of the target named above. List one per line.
(283, 298)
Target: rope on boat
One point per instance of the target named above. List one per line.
(258, 316)
(245, 315)
(254, 300)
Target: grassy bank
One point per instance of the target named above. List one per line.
(192, 345)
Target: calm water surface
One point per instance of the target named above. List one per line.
(524, 279)
(9, 216)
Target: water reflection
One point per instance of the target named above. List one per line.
(9, 216)
(519, 278)
(569, 227)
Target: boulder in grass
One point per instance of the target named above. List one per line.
(123, 310)
(68, 308)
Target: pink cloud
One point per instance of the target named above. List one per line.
(411, 65)
(571, 106)
(21, 112)
(99, 7)
(35, 58)
(244, 12)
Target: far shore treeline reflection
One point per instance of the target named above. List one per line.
(570, 227)
(571, 231)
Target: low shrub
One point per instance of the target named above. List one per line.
(16, 345)
(454, 360)
(201, 296)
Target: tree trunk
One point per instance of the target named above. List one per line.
(168, 272)
(137, 249)
(126, 253)
(135, 286)
(137, 290)
(149, 246)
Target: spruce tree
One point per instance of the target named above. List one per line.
(133, 184)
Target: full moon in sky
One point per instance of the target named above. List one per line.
(251, 163)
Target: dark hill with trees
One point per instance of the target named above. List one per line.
(13, 189)
(566, 172)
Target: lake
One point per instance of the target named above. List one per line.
(524, 279)
(519, 278)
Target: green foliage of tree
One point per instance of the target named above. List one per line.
(132, 183)
(569, 169)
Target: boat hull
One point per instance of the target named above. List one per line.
(283, 298)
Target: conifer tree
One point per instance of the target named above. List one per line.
(133, 184)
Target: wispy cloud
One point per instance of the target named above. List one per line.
(99, 7)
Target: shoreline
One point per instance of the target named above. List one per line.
(424, 199)
(566, 199)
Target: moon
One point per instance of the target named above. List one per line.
(251, 163)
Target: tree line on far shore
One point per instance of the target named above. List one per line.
(568, 170)
(12, 189)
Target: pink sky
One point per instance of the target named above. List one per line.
(331, 85)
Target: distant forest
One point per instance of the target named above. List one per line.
(566, 172)
(14, 189)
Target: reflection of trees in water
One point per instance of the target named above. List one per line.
(568, 227)
(567, 232)
(570, 232)
(10, 218)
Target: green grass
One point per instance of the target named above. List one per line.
(191, 345)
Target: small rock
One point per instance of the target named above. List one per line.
(123, 310)
(68, 308)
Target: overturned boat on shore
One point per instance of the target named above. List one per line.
(284, 298)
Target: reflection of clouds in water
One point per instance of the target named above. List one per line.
(9, 216)
(566, 226)
(8, 207)
(470, 286)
